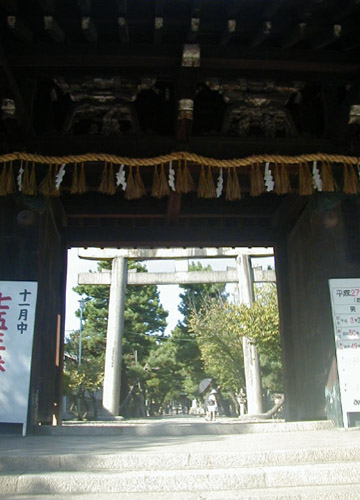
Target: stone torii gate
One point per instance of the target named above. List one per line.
(120, 277)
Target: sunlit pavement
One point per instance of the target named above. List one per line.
(260, 436)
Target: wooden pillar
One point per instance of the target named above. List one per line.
(32, 249)
(286, 330)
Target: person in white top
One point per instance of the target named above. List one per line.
(212, 407)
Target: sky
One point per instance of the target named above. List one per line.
(169, 294)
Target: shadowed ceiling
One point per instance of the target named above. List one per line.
(220, 78)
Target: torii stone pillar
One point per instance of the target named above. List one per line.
(115, 328)
(251, 356)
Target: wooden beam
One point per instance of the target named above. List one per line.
(216, 209)
(340, 119)
(174, 207)
(272, 8)
(232, 8)
(154, 145)
(288, 213)
(333, 35)
(28, 88)
(184, 119)
(195, 8)
(229, 32)
(329, 97)
(121, 7)
(48, 6)
(185, 95)
(155, 236)
(226, 119)
(215, 60)
(19, 29)
(158, 29)
(9, 118)
(10, 6)
(263, 33)
(123, 30)
(195, 211)
(346, 8)
(193, 30)
(85, 7)
(89, 29)
(297, 35)
(23, 117)
(159, 8)
(134, 119)
(352, 45)
(53, 29)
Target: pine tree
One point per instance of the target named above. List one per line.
(144, 316)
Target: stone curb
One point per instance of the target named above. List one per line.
(182, 480)
(174, 461)
(144, 428)
(304, 493)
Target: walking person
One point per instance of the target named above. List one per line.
(212, 407)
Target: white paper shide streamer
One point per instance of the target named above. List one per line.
(171, 180)
(121, 178)
(220, 183)
(20, 176)
(316, 177)
(268, 178)
(59, 176)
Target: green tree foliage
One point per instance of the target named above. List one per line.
(219, 342)
(81, 381)
(207, 342)
(144, 316)
(262, 325)
(187, 352)
(194, 295)
(219, 327)
(165, 381)
(175, 366)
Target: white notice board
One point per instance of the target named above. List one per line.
(345, 304)
(17, 318)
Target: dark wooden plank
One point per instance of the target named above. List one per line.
(89, 29)
(173, 236)
(174, 207)
(21, 111)
(215, 61)
(229, 32)
(85, 7)
(48, 6)
(10, 6)
(19, 29)
(53, 29)
(158, 29)
(262, 34)
(153, 145)
(123, 30)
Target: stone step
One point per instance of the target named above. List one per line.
(175, 461)
(323, 492)
(173, 481)
(178, 427)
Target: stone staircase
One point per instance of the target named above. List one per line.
(278, 464)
